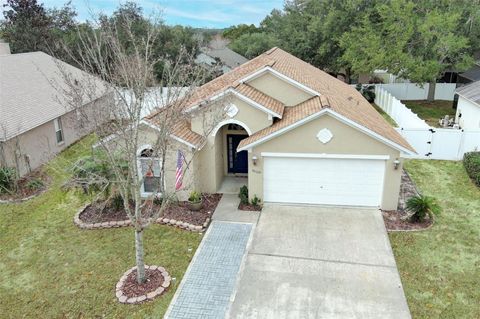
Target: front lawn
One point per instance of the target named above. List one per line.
(431, 112)
(49, 268)
(440, 267)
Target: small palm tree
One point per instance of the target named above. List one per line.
(422, 206)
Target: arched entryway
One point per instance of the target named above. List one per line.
(234, 171)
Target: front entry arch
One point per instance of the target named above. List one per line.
(231, 121)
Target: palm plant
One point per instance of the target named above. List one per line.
(422, 206)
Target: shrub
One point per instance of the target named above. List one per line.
(158, 200)
(421, 206)
(8, 176)
(35, 184)
(256, 201)
(117, 202)
(471, 161)
(195, 197)
(243, 195)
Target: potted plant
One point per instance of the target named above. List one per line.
(195, 202)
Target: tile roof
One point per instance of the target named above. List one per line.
(340, 97)
(31, 91)
(261, 98)
(181, 129)
(291, 115)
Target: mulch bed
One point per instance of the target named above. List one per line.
(398, 220)
(97, 213)
(23, 191)
(93, 214)
(250, 207)
(179, 211)
(131, 288)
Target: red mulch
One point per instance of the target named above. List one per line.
(23, 191)
(96, 213)
(394, 220)
(249, 207)
(131, 288)
(180, 211)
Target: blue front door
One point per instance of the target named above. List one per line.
(237, 162)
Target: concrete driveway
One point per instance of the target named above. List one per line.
(319, 262)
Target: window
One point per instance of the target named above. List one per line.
(58, 130)
(149, 167)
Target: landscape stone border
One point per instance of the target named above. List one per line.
(21, 200)
(184, 225)
(147, 297)
(115, 224)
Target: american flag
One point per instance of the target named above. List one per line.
(179, 171)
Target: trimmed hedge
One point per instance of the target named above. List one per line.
(471, 161)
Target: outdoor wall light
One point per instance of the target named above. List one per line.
(396, 163)
(254, 159)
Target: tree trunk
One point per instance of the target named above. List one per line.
(139, 256)
(348, 75)
(431, 91)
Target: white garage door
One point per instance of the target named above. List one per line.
(330, 181)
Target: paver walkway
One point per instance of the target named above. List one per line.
(211, 277)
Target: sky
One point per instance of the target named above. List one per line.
(195, 13)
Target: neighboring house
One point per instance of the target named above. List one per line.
(297, 133)
(223, 58)
(36, 119)
(468, 106)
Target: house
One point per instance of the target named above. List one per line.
(295, 133)
(36, 118)
(468, 106)
(222, 57)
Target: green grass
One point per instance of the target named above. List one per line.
(385, 115)
(49, 268)
(440, 267)
(431, 112)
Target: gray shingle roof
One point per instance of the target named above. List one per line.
(31, 91)
(470, 91)
(228, 57)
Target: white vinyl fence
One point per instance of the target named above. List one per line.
(429, 142)
(414, 91)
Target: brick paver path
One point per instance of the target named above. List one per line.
(207, 286)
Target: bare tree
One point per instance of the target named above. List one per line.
(128, 77)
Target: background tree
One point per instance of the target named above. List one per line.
(414, 40)
(234, 32)
(26, 25)
(251, 45)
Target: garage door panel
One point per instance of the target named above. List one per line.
(323, 181)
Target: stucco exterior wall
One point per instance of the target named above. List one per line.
(190, 176)
(279, 89)
(346, 140)
(470, 119)
(38, 145)
(203, 120)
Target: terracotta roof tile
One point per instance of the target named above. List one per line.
(291, 115)
(261, 98)
(182, 131)
(341, 97)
